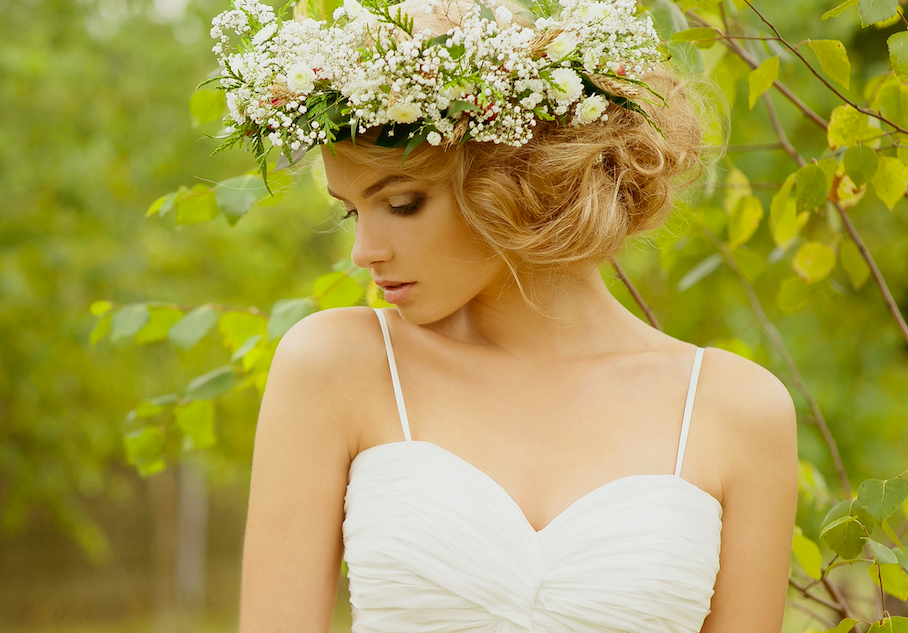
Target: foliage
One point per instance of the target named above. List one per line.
(794, 254)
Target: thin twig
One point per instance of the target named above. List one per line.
(837, 596)
(636, 295)
(805, 591)
(826, 622)
(835, 90)
(891, 305)
(779, 343)
(780, 131)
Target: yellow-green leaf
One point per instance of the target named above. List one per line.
(890, 180)
(164, 204)
(285, 313)
(833, 60)
(892, 101)
(101, 329)
(196, 205)
(212, 384)
(853, 263)
(744, 221)
(192, 328)
(846, 625)
(793, 294)
(100, 308)
(895, 580)
(898, 52)
(207, 106)
(737, 186)
(703, 37)
(812, 187)
(834, 13)
(761, 78)
(848, 127)
(808, 554)
(786, 223)
(128, 320)
(813, 262)
(861, 163)
(196, 421)
(158, 324)
(881, 497)
(237, 327)
(894, 624)
(336, 290)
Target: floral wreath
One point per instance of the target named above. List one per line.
(301, 82)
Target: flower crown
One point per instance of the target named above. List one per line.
(301, 82)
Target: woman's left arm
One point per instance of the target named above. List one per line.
(756, 440)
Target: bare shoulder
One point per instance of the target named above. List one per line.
(322, 362)
(751, 415)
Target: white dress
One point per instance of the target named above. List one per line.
(433, 544)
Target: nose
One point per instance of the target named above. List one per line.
(370, 246)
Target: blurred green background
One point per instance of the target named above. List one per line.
(96, 125)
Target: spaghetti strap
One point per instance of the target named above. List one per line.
(688, 408)
(395, 379)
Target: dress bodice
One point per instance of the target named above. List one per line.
(433, 544)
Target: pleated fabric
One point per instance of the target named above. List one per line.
(433, 544)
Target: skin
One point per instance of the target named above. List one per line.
(550, 408)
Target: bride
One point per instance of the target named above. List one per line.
(507, 449)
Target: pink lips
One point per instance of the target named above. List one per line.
(396, 292)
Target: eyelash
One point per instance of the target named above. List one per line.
(405, 209)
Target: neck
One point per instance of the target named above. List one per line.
(574, 316)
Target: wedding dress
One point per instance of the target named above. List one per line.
(433, 544)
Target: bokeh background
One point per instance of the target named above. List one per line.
(95, 125)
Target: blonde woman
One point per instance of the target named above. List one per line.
(508, 449)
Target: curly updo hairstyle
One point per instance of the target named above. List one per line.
(573, 194)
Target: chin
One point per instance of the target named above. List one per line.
(416, 314)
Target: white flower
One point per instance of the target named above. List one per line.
(265, 34)
(300, 78)
(503, 15)
(590, 109)
(352, 8)
(434, 138)
(594, 12)
(562, 46)
(565, 85)
(404, 112)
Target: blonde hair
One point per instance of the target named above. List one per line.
(573, 194)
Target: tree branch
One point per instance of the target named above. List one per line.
(835, 90)
(779, 343)
(840, 609)
(650, 316)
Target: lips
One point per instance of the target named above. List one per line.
(396, 291)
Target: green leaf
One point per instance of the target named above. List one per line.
(196, 205)
(196, 421)
(853, 263)
(808, 554)
(705, 35)
(881, 497)
(245, 348)
(728, 72)
(101, 329)
(895, 624)
(192, 328)
(163, 205)
(737, 186)
(160, 322)
(100, 308)
(285, 313)
(873, 11)
(834, 13)
(892, 101)
(833, 60)
(890, 180)
(145, 449)
(848, 127)
(744, 221)
(812, 187)
(813, 262)
(146, 409)
(843, 528)
(793, 294)
(898, 52)
(847, 624)
(237, 327)
(336, 290)
(700, 271)
(212, 384)
(895, 580)
(128, 320)
(761, 78)
(882, 555)
(235, 196)
(786, 223)
(207, 106)
(845, 537)
(860, 164)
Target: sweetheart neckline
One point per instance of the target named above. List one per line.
(558, 517)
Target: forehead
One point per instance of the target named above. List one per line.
(346, 177)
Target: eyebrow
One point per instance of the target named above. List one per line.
(374, 188)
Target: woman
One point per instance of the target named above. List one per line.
(510, 449)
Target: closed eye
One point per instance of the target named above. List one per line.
(408, 209)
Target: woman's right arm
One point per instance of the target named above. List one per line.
(293, 545)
